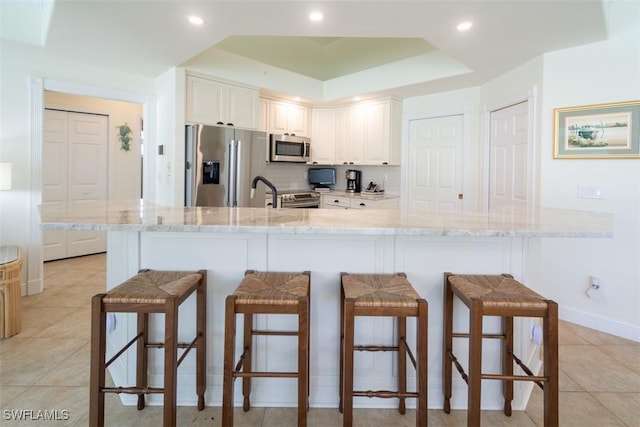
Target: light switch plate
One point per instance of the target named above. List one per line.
(590, 192)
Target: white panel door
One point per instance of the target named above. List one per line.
(74, 172)
(436, 163)
(508, 169)
(54, 177)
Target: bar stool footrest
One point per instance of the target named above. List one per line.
(133, 390)
(384, 394)
(375, 348)
(265, 374)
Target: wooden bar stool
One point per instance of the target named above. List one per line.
(266, 293)
(503, 296)
(388, 295)
(148, 292)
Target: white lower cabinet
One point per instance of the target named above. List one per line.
(329, 201)
(366, 203)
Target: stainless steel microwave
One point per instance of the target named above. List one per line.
(289, 148)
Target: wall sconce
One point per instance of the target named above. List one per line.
(5, 176)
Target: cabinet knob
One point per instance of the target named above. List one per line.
(362, 204)
(336, 201)
(293, 134)
(385, 163)
(229, 124)
(219, 123)
(350, 163)
(345, 163)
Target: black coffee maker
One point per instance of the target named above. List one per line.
(353, 181)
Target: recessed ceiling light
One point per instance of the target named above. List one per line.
(296, 98)
(316, 16)
(196, 20)
(464, 26)
(356, 98)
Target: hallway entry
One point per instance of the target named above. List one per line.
(74, 170)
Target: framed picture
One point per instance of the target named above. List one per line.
(597, 131)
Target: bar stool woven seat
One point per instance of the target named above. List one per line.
(262, 292)
(389, 295)
(505, 297)
(149, 292)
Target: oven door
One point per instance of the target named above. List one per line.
(299, 201)
(300, 205)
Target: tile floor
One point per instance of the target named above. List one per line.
(46, 367)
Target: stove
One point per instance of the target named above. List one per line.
(298, 199)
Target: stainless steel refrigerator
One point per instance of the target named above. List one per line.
(220, 165)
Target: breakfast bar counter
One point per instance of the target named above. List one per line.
(326, 242)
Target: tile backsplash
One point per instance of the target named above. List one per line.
(293, 176)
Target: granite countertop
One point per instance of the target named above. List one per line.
(145, 216)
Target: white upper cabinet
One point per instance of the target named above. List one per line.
(369, 134)
(323, 136)
(215, 103)
(287, 118)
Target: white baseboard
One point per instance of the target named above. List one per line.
(601, 324)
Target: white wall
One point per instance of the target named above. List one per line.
(613, 76)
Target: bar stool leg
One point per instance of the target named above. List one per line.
(402, 362)
(142, 356)
(170, 361)
(475, 363)
(229, 357)
(98, 352)
(349, 308)
(201, 346)
(247, 363)
(421, 364)
(342, 354)
(550, 331)
(303, 360)
(447, 361)
(507, 362)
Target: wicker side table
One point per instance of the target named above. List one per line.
(10, 292)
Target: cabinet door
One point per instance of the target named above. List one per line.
(263, 121)
(362, 203)
(342, 136)
(204, 101)
(298, 120)
(323, 136)
(242, 107)
(278, 118)
(333, 201)
(288, 118)
(376, 147)
(357, 134)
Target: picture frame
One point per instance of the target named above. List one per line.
(598, 131)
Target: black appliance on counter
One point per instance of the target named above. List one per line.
(321, 177)
(353, 181)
